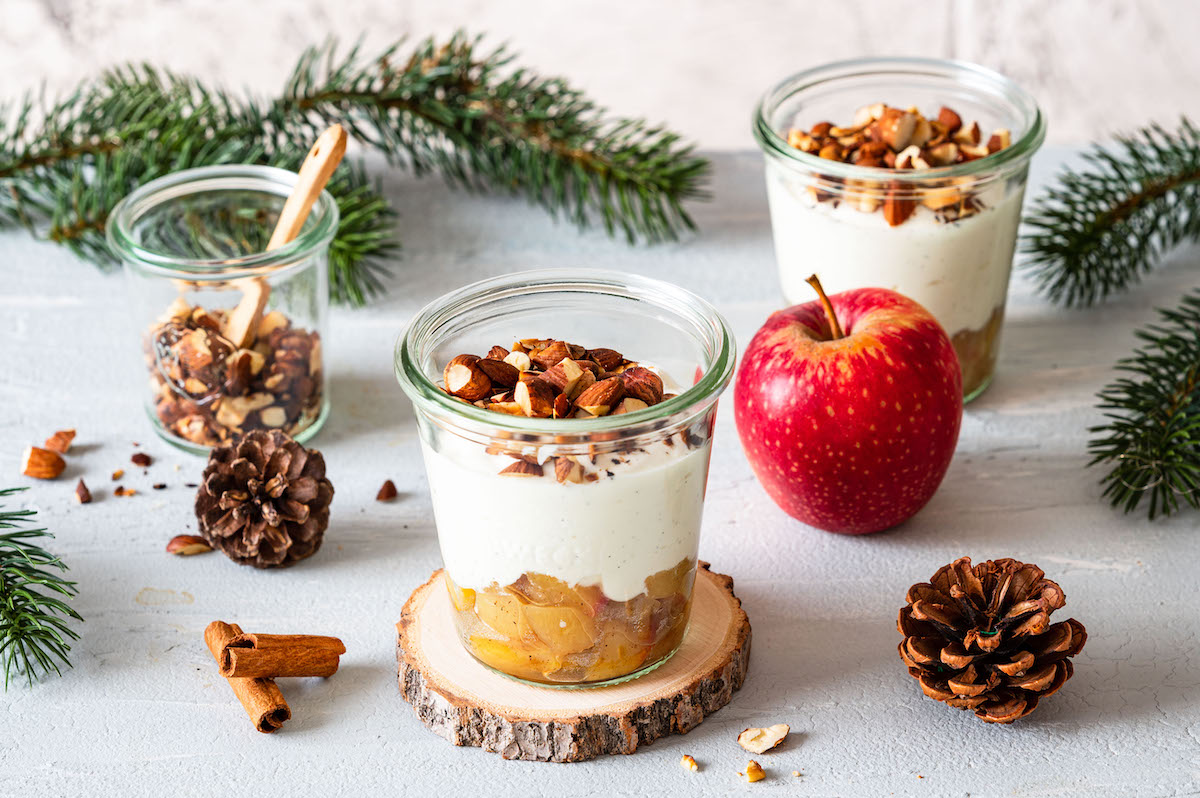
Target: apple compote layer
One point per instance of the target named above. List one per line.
(543, 630)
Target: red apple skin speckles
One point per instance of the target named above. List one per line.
(852, 435)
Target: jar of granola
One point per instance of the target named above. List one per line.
(568, 472)
(229, 334)
(903, 173)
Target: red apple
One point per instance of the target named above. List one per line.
(850, 432)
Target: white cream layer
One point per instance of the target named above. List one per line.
(957, 270)
(613, 532)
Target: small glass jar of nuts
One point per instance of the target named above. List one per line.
(229, 334)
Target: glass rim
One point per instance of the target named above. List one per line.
(428, 398)
(204, 179)
(968, 75)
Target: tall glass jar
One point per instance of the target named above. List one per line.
(953, 251)
(229, 335)
(570, 543)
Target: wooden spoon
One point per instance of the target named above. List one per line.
(241, 326)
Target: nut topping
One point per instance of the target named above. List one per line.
(464, 378)
(41, 463)
(60, 441)
(522, 468)
(759, 741)
(754, 772)
(884, 137)
(550, 378)
(187, 545)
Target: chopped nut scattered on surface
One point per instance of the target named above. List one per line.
(41, 463)
(759, 741)
(688, 763)
(121, 490)
(159, 486)
(141, 459)
(60, 441)
(120, 472)
(186, 545)
(387, 492)
(82, 494)
(754, 772)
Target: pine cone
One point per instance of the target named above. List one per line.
(264, 500)
(980, 638)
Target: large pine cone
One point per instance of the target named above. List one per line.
(980, 638)
(264, 500)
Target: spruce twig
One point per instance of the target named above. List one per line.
(1151, 440)
(482, 122)
(471, 115)
(1100, 229)
(34, 623)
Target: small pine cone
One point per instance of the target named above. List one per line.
(264, 500)
(981, 639)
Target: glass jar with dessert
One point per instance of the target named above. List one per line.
(903, 173)
(568, 470)
(229, 333)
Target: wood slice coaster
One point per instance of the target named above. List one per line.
(470, 704)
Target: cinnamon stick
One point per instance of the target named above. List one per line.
(257, 655)
(260, 697)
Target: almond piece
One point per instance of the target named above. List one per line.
(535, 397)
(759, 741)
(141, 459)
(600, 398)
(999, 140)
(949, 119)
(464, 379)
(937, 198)
(187, 545)
(968, 135)
(821, 129)
(629, 405)
(508, 408)
(564, 376)
(60, 441)
(802, 141)
(585, 381)
(550, 356)
(82, 494)
(754, 772)
(518, 360)
(497, 353)
(522, 468)
(499, 372)
(273, 417)
(896, 128)
(41, 463)
(896, 210)
(642, 383)
(562, 406)
(943, 154)
(922, 132)
(271, 322)
(567, 470)
(688, 763)
(387, 491)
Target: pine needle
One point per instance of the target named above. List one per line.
(473, 116)
(34, 624)
(1151, 440)
(1100, 229)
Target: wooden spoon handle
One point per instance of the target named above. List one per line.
(315, 172)
(241, 326)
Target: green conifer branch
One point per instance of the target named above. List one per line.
(1151, 439)
(34, 621)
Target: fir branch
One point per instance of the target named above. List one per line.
(34, 624)
(484, 123)
(1100, 229)
(1152, 437)
(472, 116)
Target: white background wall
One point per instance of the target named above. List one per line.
(1098, 66)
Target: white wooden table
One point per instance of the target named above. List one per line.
(143, 712)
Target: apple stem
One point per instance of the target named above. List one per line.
(825, 303)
